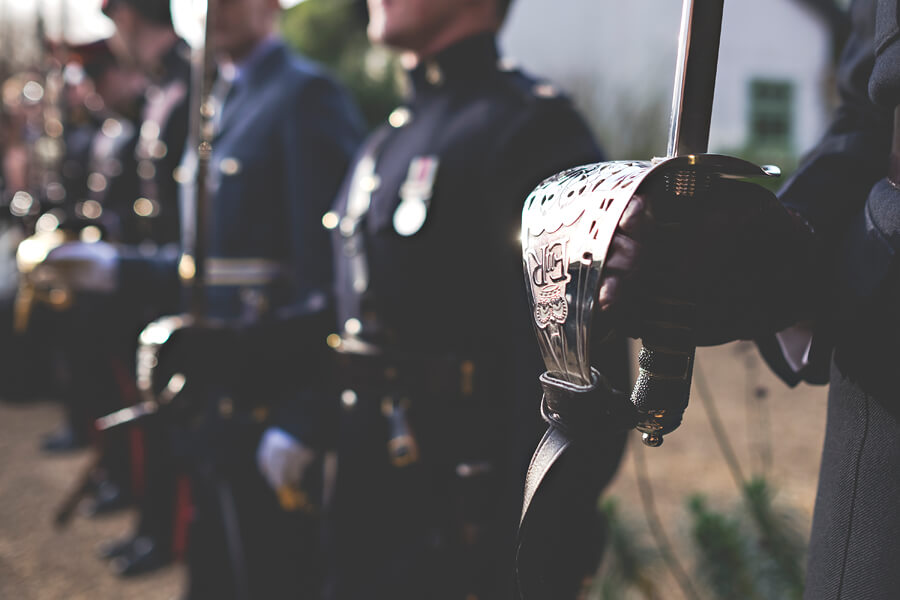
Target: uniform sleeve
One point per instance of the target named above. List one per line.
(841, 190)
(836, 176)
(151, 280)
(319, 141)
(866, 265)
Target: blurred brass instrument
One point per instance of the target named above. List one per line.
(38, 282)
(37, 98)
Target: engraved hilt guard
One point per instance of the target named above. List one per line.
(567, 226)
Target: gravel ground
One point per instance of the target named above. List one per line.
(39, 563)
(690, 461)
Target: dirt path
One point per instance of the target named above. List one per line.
(36, 561)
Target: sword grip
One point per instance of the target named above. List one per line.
(665, 363)
(661, 391)
(666, 360)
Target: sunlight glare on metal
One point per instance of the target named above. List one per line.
(155, 334)
(188, 17)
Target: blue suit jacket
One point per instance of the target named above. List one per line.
(285, 137)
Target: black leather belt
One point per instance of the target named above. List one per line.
(389, 371)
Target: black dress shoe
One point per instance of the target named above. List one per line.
(109, 498)
(144, 555)
(115, 548)
(64, 440)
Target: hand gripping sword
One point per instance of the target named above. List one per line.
(568, 223)
(569, 220)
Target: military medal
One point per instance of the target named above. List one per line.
(410, 216)
(415, 194)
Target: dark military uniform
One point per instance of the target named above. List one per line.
(98, 170)
(848, 191)
(146, 222)
(88, 337)
(438, 362)
(150, 218)
(284, 136)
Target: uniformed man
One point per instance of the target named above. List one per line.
(283, 134)
(824, 261)
(130, 201)
(439, 376)
(847, 190)
(146, 224)
(97, 169)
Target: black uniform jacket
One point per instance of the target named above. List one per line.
(848, 193)
(429, 273)
(842, 189)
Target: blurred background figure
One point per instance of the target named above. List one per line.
(103, 98)
(282, 133)
(141, 218)
(125, 135)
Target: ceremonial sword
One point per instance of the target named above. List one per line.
(569, 220)
(568, 223)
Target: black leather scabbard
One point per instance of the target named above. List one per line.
(567, 470)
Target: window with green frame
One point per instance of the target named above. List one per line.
(771, 113)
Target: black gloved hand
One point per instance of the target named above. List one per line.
(752, 262)
(746, 263)
(213, 351)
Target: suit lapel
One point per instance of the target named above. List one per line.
(243, 89)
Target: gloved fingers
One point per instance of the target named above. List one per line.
(609, 291)
(85, 267)
(623, 254)
(635, 218)
(269, 463)
(282, 459)
(102, 252)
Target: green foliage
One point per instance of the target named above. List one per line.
(724, 562)
(757, 553)
(779, 546)
(753, 551)
(333, 33)
(627, 565)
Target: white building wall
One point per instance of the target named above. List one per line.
(771, 39)
(608, 55)
(617, 59)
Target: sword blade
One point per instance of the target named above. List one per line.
(203, 70)
(127, 415)
(695, 77)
